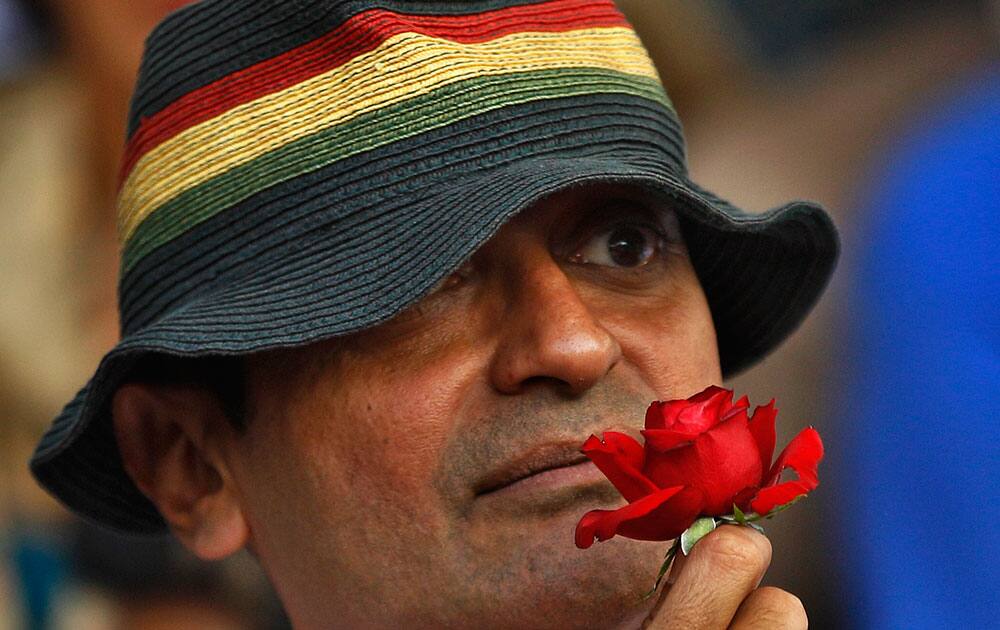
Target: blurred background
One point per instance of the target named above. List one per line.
(885, 111)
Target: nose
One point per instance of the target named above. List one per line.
(548, 332)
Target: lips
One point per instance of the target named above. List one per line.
(536, 460)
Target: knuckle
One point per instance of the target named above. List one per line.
(775, 608)
(737, 549)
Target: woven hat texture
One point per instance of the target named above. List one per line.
(297, 170)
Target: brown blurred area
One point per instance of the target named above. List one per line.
(62, 127)
(765, 123)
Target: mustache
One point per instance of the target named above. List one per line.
(518, 423)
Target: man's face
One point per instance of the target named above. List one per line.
(363, 472)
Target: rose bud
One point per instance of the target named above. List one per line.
(702, 456)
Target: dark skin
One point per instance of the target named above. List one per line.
(355, 482)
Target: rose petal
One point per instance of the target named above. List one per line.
(744, 496)
(662, 413)
(735, 412)
(762, 429)
(623, 446)
(710, 392)
(802, 455)
(769, 498)
(740, 405)
(605, 523)
(698, 413)
(705, 410)
(666, 439)
(620, 458)
(720, 462)
(667, 521)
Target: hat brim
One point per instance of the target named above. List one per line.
(761, 274)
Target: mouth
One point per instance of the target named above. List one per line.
(550, 464)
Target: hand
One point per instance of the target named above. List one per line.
(716, 587)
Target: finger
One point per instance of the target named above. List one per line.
(769, 607)
(723, 568)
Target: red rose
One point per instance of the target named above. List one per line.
(701, 456)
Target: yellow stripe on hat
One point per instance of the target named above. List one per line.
(403, 67)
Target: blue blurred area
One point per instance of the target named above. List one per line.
(42, 568)
(922, 462)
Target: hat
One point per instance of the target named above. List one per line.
(299, 170)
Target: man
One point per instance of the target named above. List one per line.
(385, 266)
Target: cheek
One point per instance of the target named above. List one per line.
(402, 413)
(370, 433)
(671, 341)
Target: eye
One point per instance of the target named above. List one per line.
(628, 245)
(452, 279)
(446, 283)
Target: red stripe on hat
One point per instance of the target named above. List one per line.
(360, 34)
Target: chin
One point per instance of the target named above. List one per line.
(560, 586)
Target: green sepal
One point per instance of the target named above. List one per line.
(741, 518)
(667, 559)
(695, 533)
(784, 506)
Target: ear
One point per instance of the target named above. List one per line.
(172, 440)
